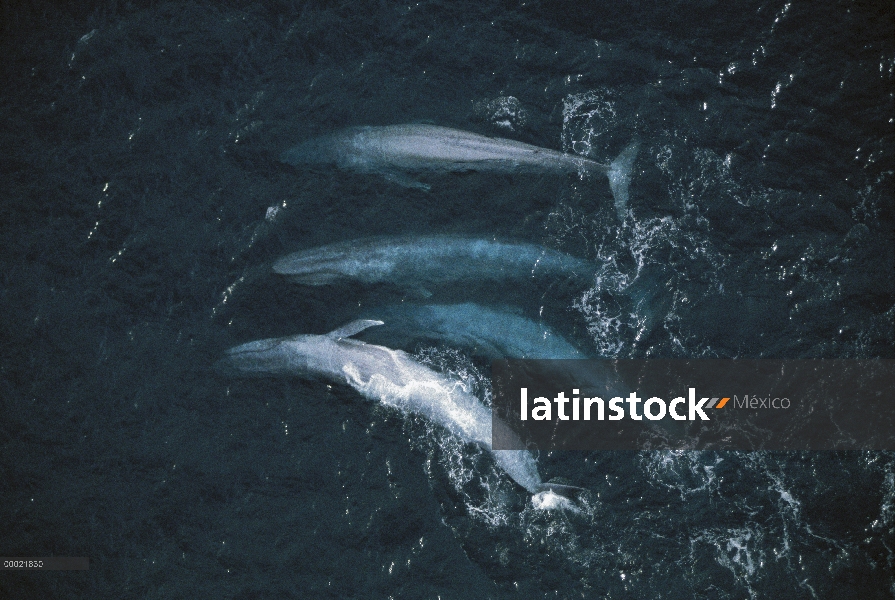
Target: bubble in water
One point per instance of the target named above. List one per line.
(505, 112)
(588, 120)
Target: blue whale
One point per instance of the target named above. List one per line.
(394, 151)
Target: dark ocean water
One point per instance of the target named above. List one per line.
(142, 204)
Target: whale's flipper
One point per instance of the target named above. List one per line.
(353, 328)
(405, 180)
(620, 177)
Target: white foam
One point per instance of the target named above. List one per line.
(552, 501)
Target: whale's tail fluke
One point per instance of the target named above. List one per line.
(620, 177)
(569, 491)
(649, 300)
(555, 496)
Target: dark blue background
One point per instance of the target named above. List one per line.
(141, 204)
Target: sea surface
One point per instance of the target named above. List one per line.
(142, 204)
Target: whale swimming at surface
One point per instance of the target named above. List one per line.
(394, 151)
(488, 332)
(418, 262)
(395, 379)
(495, 335)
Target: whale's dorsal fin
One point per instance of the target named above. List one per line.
(353, 328)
